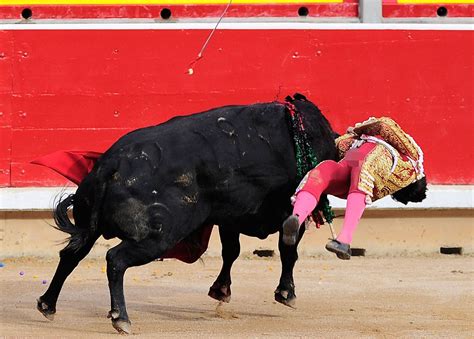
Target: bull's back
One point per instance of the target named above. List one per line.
(224, 162)
(236, 138)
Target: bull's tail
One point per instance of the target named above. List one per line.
(78, 236)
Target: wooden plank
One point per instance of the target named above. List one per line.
(396, 10)
(24, 174)
(5, 173)
(29, 144)
(346, 9)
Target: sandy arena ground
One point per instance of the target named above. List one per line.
(388, 297)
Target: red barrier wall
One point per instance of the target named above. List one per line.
(291, 9)
(175, 10)
(82, 89)
(427, 8)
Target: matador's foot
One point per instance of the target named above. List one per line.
(342, 250)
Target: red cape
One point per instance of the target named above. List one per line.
(75, 165)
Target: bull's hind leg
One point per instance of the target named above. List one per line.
(220, 290)
(285, 292)
(127, 254)
(69, 259)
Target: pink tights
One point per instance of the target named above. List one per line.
(306, 202)
(354, 209)
(339, 179)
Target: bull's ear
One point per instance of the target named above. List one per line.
(289, 99)
(299, 96)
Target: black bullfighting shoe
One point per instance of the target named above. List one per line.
(291, 227)
(343, 251)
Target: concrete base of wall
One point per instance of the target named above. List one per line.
(381, 233)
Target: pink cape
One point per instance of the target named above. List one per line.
(75, 165)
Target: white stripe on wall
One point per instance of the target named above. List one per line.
(80, 25)
(439, 197)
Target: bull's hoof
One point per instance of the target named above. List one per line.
(45, 309)
(121, 325)
(220, 292)
(286, 298)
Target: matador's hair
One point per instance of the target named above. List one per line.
(415, 192)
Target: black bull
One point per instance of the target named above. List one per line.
(232, 166)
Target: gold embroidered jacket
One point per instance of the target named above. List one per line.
(394, 163)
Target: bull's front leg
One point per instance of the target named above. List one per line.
(220, 290)
(285, 292)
